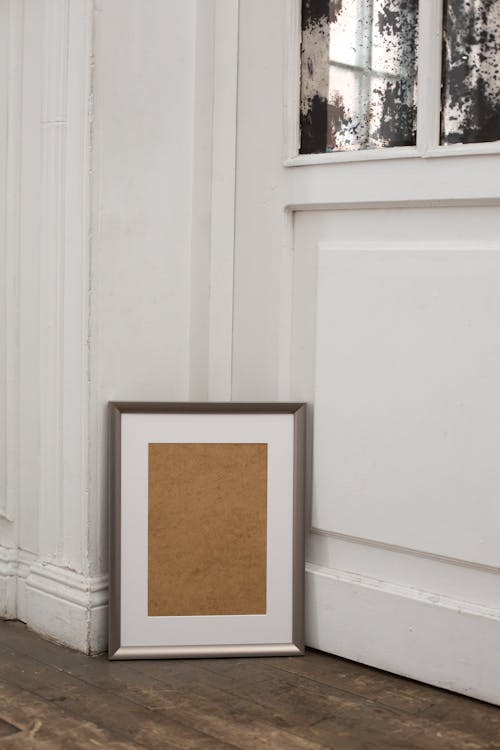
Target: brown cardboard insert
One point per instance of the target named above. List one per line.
(207, 533)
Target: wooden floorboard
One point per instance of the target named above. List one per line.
(52, 697)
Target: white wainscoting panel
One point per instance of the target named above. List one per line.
(394, 345)
(407, 402)
(447, 642)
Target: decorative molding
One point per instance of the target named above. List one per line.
(405, 550)
(443, 641)
(25, 560)
(342, 157)
(407, 592)
(52, 256)
(67, 607)
(220, 350)
(8, 571)
(291, 81)
(50, 590)
(8, 561)
(286, 306)
(68, 585)
(10, 251)
(201, 182)
(64, 280)
(58, 603)
(392, 204)
(409, 246)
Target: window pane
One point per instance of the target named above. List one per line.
(359, 65)
(471, 71)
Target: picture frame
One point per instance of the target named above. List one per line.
(206, 529)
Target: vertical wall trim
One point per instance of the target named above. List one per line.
(52, 241)
(10, 315)
(291, 81)
(429, 75)
(77, 284)
(203, 90)
(223, 200)
(286, 306)
(292, 22)
(64, 282)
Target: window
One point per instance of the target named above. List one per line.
(363, 84)
(470, 111)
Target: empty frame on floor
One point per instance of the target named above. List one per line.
(206, 529)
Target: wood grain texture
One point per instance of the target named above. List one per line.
(59, 698)
(207, 533)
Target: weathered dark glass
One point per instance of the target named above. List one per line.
(470, 111)
(359, 68)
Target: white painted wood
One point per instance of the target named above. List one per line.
(25, 560)
(261, 230)
(430, 36)
(426, 636)
(138, 279)
(8, 583)
(408, 152)
(10, 155)
(292, 18)
(52, 240)
(223, 200)
(29, 281)
(413, 349)
(47, 230)
(406, 403)
(439, 574)
(203, 41)
(115, 210)
(67, 607)
(141, 310)
(64, 283)
(460, 579)
(339, 157)
(4, 22)
(424, 180)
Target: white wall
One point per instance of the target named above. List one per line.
(110, 112)
(142, 206)
(367, 285)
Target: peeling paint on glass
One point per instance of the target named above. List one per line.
(359, 68)
(471, 72)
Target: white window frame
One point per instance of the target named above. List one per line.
(428, 103)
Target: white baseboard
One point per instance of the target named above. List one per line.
(67, 607)
(442, 641)
(8, 572)
(58, 603)
(25, 561)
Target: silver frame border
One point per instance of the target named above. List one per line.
(296, 647)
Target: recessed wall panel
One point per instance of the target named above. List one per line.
(407, 397)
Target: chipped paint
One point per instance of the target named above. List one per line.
(471, 72)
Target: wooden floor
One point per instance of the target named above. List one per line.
(51, 697)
